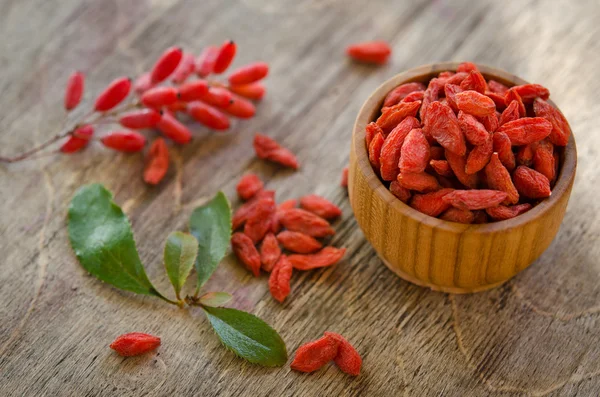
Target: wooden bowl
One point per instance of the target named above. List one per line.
(448, 256)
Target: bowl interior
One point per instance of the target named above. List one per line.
(371, 110)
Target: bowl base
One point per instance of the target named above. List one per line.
(440, 288)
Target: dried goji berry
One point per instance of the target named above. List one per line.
(114, 94)
(451, 90)
(458, 215)
(320, 206)
(288, 204)
(559, 135)
(78, 139)
(474, 103)
(208, 115)
(400, 92)
(480, 217)
(371, 130)
(511, 113)
(375, 152)
(166, 64)
(393, 115)
(421, 182)
(525, 155)
(158, 97)
(376, 52)
(241, 215)
(400, 192)
(251, 91)
(414, 96)
(157, 163)
(185, 68)
(459, 166)
(498, 178)
(467, 67)
(474, 131)
(124, 141)
(74, 90)
(390, 151)
(224, 57)
(497, 87)
(431, 203)
(193, 90)
(299, 220)
(347, 359)
(249, 73)
(498, 99)
(454, 79)
(431, 95)
(543, 158)
(414, 156)
(479, 157)
(526, 130)
(206, 61)
(246, 252)
(312, 356)
(298, 242)
(268, 149)
(442, 124)
(138, 119)
(530, 183)
(240, 108)
(475, 199)
(279, 280)
(503, 146)
(344, 181)
(529, 92)
(502, 212)
(327, 256)
(437, 153)
(474, 81)
(490, 122)
(269, 252)
(134, 344)
(442, 167)
(248, 186)
(173, 129)
(258, 222)
(512, 95)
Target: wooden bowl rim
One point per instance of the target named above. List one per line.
(373, 104)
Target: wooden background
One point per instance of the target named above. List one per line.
(537, 335)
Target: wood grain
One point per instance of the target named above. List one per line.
(536, 335)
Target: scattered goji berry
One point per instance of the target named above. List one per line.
(224, 57)
(258, 222)
(279, 280)
(503, 212)
(206, 61)
(327, 256)
(498, 178)
(269, 252)
(402, 193)
(268, 149)
(248, 186)
(475, 199)
(458, 215)
(78, 139)
(246, 252)
(134, 344)
(299, 220)
(559, 135)
(474, 103)
(288, 204)
(376, 52)
(166, 64)
(526, 130)
(320, 206)
(243, 213)
(74, 90)
(251, 91)
(209, 116)
(124, 141)
(347, 359)
(421, 182)
(157, 163)
(139, 119)
(393, 115)
(390, 151)
(431, 203)
(400, 92)
(249, 73)
(530, 183)
(186, 67)
(442, 124)
(158, 97)
(173, 129)
(113, 94)
(312, 356)
(193, 90)
(299, 243)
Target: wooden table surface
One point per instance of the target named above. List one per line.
(537, 335)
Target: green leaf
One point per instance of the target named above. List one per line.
(215, 299)
(211, 225)
(179, 256)
(247, 336)
(101, 237)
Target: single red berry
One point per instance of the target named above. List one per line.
(376, 52)
(138, 119)
(124, 141)
(174, 129)
(186, 67)
(208, 115)
(217, 96)
(113, 94)
(74, 90)
(224, 57)
(193, 90)
(240, 108)
(249, 73)
(166, 64)
(157, 163)
(134, 344)
(158, 97)
(206, 61)
(251, 91)
(78, 139)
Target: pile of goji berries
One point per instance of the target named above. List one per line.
(273, 227)
(312, 356)
(158, 105)
(465, 149)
